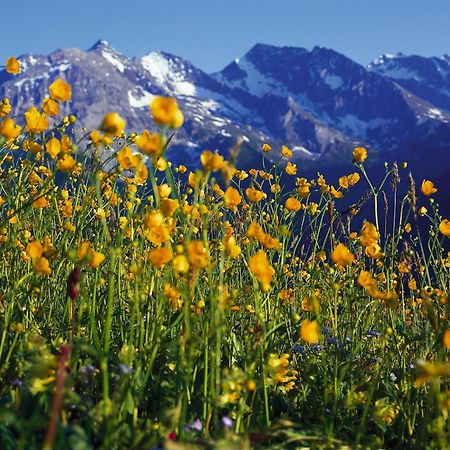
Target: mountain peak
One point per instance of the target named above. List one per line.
(101, 45)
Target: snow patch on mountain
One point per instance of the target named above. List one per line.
(140, 101)
(334, 81)
(255, 82)
(113, 60)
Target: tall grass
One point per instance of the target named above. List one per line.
(142, 306)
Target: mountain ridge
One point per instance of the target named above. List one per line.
(318, 102)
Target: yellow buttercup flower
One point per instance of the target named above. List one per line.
(231, 197)
(369, 234)
(342, 255)
(428, 188)
(291, 168)
(5, 107)
(34, 249)
(151, 144)
(444, 227)
(50, 107)
(95, 259)
(366, 280)
(285, 152)
(292, 204)
(260, 267)
(197, 254)
(113, 124)
(66, 163)
(53, 147)
(165, 112)
(359, 154)
(309, 331)
(41, 266)
(231, 247)
(12, 66)
(140, 174)
(266, 148)
(60, 90)
(9, 129)
(254, 195)
(36, 121)
(446, 339)
(180, 264)
(159, 257)
(212, 162)
(126, 158)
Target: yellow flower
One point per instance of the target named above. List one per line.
(366, 281)
(335, 193)
(60, 90)
(126, 158)
(254, 195)
(359, 154)
(374, 251)
(66, 163)
(53, 147)
(291, 168)
(422, 211)
(140, 174)
(285, 152)
(408, 228)
(292, 204)
(180, 264)
(342, 256)
(369, 234)
(112, 124)
(309, 331)
(428, 188)
(343, 182)
(36, 121)
(444, 227)
(353, 178)
(5, 107)
(41, 266)
(159, 257)
(87, 252)
(165, 112)
(197, 254)
(9, 129)
(446, 339)
(231, 198)
(231, 248)
(12, 66)
(34, 249)
(50, 107)
(95, 259)
(40, 202)
(266, 148)
(151, 144)
(212, 162)
(169, 206)
(260, 267)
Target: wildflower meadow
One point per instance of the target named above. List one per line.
(149, 305)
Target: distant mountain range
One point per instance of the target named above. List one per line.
(319, 103)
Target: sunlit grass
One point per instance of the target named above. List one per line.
(141, 303)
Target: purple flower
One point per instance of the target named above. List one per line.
(197, 425)
(372, 334)
(126, 370)
(227, 422)
(315, 348)
(87, 370)
(299, 349)
(17, 383)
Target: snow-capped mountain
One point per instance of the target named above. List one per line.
(428, 78)
(319, 102)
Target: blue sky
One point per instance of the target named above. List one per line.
(211, 33)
